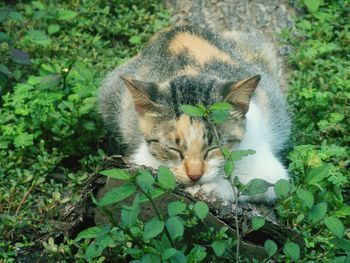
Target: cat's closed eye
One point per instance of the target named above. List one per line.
(152, 140)
(209, 151)
(179, 152)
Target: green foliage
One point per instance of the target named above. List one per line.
(255, 186)
(270, 247)
(201, 210)
(53, 55)
(281, 188)
(166, 179)
(291, 250)
(319, 97)
(161, 237)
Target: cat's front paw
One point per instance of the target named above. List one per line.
(193, 190)
(220, 188)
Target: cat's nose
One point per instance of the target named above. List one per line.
(194, 176)
(194, 169)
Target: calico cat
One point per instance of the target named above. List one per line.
(139, 102)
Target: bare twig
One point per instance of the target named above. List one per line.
(24, 198)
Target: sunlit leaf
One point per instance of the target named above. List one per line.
(255, 186)
(335, 226)
(166, 178)
(201, 209)
(152, 229)
(291, 250)
(117, 194)
(258, 222)
(192, 111)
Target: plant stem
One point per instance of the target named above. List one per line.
(24, 198)
(159, 216)
(116, 224)
(236, 195)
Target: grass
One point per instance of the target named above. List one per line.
(52, 59)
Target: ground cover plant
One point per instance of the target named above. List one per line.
(53, 55)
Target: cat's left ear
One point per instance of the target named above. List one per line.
(240, 93)
(143, 94)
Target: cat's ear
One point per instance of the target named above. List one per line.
(143, 94)
(239, 93)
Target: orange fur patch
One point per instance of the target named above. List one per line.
(146, 124)
(199, 49)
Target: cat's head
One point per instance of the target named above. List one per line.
(187, 145)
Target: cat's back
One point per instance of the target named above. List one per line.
(231, 56)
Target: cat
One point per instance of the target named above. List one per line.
(139, 102)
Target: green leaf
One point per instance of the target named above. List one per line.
(87, 106)
(258, 222)
(116, 174)
(5, 70)
(218, 247)
(150, 258)
(176, 208)
(201, 209)
(20, 57)
(90, 232)
(4, 12)
(134, 252)
(16, 16)
(175, 227)
(152, 229)
(341, 243)
(343, 212)
(306, 197)
(219, 116)
(238, 155)
(49, 82)
(317, 174)
(168, 253)
(52, 29)
(341, 259)
(226, 152)
(38, 37)
(270, 247)
(89, 125)
(281, 188)
(192, 111)
(145, 180)
(179, 257)
(24, 139)
(197, 254)
(291, 250)
(129, 214)
(166, 178)
(4, 37)
(220, 106)
(135, 40)
(299, 218)
(255, 186)
(66, 14)
(228, 168)
(317, 212)
(38, 5)
(335, 226)
(312, 5)
(117, 194)
(154, 193)
(96, 248)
